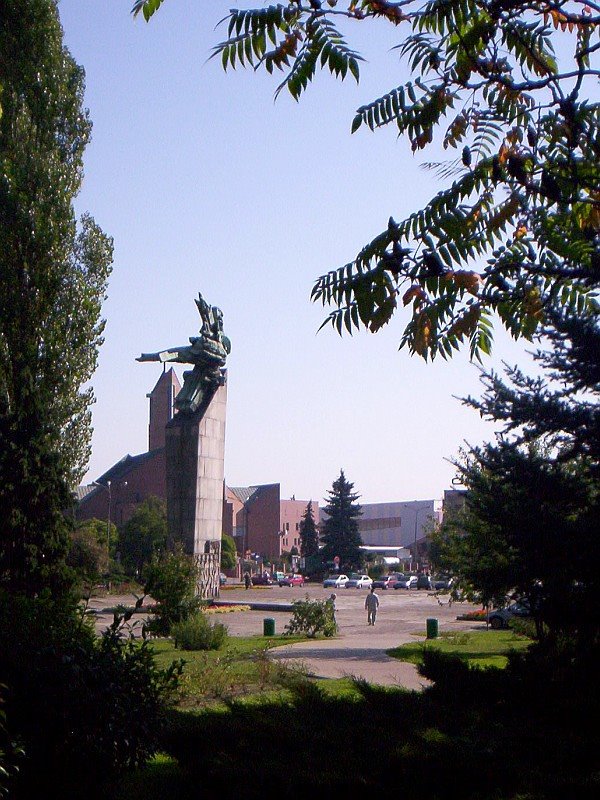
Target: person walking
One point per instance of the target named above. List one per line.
(331, 601)
(371, 604)
(247, 580)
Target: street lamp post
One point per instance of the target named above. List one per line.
(108, 534)
(414, 563)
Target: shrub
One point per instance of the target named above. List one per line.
(171, 581)
(311, 617)
(10, 752)
(83, 707)
(197, 633)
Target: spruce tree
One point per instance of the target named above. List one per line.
(309, 537)
(340, 535)
(531, 521)
(53, 278)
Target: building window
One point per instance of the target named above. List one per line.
(297, 526)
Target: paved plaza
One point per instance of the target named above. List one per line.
(358, 649)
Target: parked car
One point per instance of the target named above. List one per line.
(263, 579)
(442, 583)
(358, 581)
(293, 579)
(406, 582)
(500, 617)
(424, 582)
(386, 581)
(335, 581)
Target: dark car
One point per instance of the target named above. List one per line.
(262, 580)
(500, 617)
(406, 582)
(424, 582)
(441, 583)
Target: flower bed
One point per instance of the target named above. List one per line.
(474, 616)
(225, 609)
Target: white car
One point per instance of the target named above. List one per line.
(336, 581)
(357, 581)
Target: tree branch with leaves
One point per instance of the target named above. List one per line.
(505, 84)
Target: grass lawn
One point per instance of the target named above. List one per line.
(239, 670)
(479, 648)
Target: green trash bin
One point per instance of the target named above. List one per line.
(432, 628)
(269, 626)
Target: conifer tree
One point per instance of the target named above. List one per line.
(309, 537)
(341, 536)
(533, 503)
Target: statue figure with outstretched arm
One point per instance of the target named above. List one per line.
(207, 352)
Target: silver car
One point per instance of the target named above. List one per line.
(358, 581)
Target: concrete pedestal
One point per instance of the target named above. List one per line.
(195, 450)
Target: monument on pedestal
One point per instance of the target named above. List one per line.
(195, 447)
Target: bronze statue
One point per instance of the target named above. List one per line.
(207, 352)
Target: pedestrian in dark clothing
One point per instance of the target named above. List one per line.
(247, 581)
(371, 604)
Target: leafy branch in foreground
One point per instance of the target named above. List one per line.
(519, 226)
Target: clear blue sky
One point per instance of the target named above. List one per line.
(208, 185)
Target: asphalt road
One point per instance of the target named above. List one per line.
(359, 649)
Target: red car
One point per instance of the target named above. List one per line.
(292, 580)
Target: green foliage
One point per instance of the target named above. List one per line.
(84, 707)
(53, 278)
(533, 494)
(340, 534)
(144, 535)
(88, 551)
(311, 617)
(519, 732)
(147, 7)
(478, 648)
(309, 536)
(171, 580)
(228, 552)
(10, 752)
(197, 633)
(510, 87)
(239, 667)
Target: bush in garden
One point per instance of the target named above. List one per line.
(197, 633)
(10, 752)
(171, 582)
(83, 707)
(312, 617)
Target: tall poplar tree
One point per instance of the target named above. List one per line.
(53, 277)
(340, 534)
(309, 537)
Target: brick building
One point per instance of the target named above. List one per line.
(260, 522)
(256, 517)
(116, 493)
